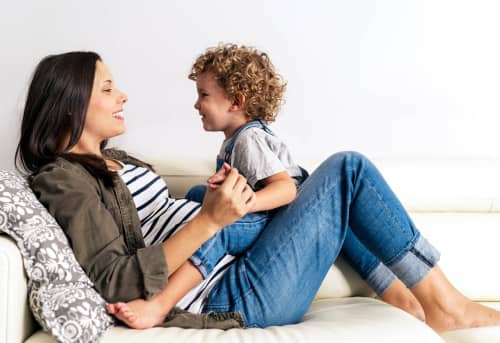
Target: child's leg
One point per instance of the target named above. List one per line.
(380, 278)
(143, 314)
(135, 313)
(233, 239)
(196, 193)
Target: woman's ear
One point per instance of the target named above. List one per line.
(238, 102)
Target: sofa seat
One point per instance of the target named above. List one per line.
(456, 205)
(356, 319)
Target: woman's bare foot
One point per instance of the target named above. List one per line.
(462, 314)
(399, 296)
(138, 314)
(447, 309)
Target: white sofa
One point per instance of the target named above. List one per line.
(455, 203)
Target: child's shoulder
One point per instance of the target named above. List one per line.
(257, 136)
(256, 131)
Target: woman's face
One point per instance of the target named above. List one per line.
(105, 111)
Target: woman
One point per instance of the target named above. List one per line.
(73, 107)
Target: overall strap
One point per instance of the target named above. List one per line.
(255, 123)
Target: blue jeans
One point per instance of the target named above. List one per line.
(375, 273)
(234, 239)
(275, 281)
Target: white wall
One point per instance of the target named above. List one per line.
(388, 78)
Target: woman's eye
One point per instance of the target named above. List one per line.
(108, 90)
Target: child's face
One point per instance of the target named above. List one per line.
(217, 112)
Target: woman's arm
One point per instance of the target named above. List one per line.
(101, 248)
(221, 207)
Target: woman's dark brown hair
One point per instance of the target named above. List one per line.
(55, 109)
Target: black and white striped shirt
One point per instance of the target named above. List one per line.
(162, 216)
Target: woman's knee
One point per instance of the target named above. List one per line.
(353, 159)
(348, 155)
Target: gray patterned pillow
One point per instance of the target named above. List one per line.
(61, 296)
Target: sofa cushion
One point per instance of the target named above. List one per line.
(16, 322)
(349, 320)
(61, 296)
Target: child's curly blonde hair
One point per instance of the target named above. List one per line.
(247, 71)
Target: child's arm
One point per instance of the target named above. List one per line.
(279, 189)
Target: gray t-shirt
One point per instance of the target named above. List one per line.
(257, 155)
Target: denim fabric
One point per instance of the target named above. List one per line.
(229, 148)
(196, 193)
(376, 274)
(233, 239)
(275, 281)
(369, 267)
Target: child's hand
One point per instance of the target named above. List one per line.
(229, 201)
(219, 177)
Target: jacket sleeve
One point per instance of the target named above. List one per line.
(97, 241)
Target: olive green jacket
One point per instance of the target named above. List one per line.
(104, 230)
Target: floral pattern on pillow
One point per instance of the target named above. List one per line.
(61, 296)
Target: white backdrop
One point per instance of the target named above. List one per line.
(391, 79)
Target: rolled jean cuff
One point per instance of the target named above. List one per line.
(200, 264)
(416, 263)
(380, 279)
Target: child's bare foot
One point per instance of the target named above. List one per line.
(398, 295)
(138, 314)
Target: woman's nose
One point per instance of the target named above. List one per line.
(123, 98)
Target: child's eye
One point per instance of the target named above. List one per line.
(108, 90)
(204, 94)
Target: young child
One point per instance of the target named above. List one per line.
(239, 92)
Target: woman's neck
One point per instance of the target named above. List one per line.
(113, 165)
(82, 148)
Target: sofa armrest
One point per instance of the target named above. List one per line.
(16, 321)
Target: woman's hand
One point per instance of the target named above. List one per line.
(228, 197)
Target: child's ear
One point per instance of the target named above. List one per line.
(238, 102)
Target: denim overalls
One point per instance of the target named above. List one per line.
(229, 148)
